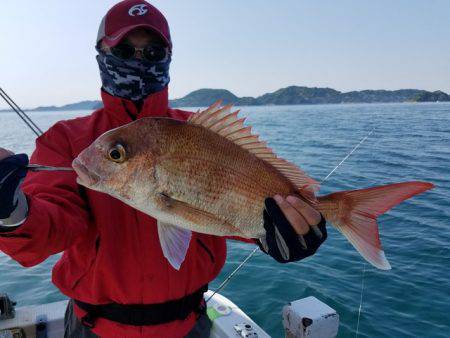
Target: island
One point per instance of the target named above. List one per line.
(292, 95)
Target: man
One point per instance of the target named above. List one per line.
(112, 267)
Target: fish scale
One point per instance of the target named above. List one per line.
(233, 189)
(211, 175)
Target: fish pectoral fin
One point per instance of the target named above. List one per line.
(174, 243)
(200, 217)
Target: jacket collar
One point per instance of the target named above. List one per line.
(125, 110)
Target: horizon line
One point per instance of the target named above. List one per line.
(209, 88)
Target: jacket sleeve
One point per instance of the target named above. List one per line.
(57, 213)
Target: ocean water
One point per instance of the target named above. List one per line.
(410, 142)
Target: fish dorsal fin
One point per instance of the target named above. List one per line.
(224, 122)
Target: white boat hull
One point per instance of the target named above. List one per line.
(228, 320)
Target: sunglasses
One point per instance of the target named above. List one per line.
(154, 53)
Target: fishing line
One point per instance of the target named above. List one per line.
(25, 118)
(225, 282)
(360, 299)
(348, 155)
(247, 258)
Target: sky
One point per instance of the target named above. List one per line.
(251, 47)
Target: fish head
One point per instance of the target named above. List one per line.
(121, 162)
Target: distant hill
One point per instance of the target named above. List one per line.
(307, 95)
(83, 105)
(205, 97)
(299, 95)
(437, 96)
(381, 96)
(284, 96)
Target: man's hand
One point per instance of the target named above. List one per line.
(294, 229)
(12, 171)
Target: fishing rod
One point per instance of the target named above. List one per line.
(34, 128)
(39, 167)
(25, 118)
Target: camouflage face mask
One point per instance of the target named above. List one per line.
(132, 79)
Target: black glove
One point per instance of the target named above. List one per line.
(12, 171)
(282, 242)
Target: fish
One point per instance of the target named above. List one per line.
(211, 174)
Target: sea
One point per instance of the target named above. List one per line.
(407, 141)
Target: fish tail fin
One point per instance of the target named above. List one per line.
(355, 212)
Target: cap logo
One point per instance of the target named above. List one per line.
(138, 10)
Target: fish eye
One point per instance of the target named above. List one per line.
(117, 154)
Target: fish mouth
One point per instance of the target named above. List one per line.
(85, 176)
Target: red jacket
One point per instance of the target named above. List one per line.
(111, 251)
